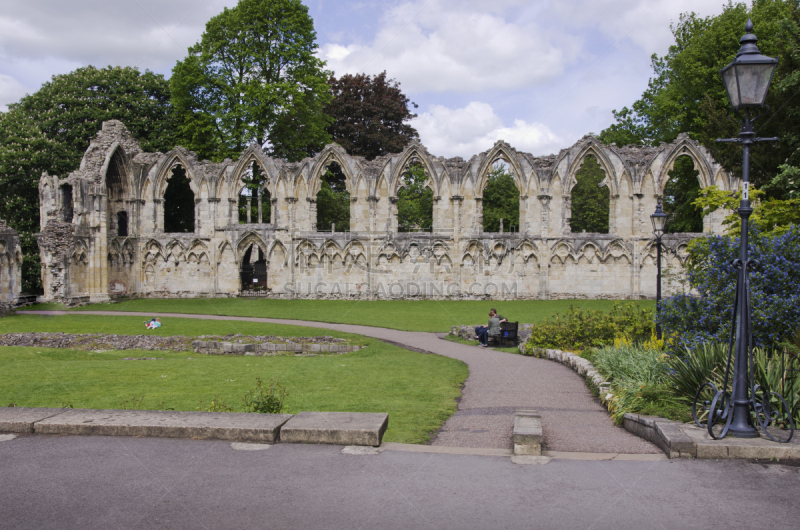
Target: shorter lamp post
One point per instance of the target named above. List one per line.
(659, 220)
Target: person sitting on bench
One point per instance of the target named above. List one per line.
(492, 330)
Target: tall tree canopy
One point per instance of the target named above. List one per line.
(253, 77)
(370, 115)
(686, 94)
(51, 129)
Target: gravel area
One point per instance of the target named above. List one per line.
(498, 384)
(101, 341)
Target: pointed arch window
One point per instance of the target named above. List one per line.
(333, 200)
(680, 191)
(500, 199)
(254, 198)
(414, 200)
(591, 202)
(178, 203)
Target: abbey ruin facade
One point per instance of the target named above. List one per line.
(103, 226)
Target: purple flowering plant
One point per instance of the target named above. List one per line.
(706, 314)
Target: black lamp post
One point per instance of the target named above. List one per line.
(747, 81)
(659, 220)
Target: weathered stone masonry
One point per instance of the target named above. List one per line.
(88, 256)
(10, 268)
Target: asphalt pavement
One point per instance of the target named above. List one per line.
(66, 482)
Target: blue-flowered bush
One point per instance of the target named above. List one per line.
(688, 320)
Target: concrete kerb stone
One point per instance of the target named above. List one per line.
(682, 440)
(243, 427)
(339, 428)
(23, 419)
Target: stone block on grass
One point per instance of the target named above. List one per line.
(339, 428)
(243, 427)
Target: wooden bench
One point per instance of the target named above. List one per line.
(508, 332)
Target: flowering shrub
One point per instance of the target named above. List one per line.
(580, 329)
(688, 320)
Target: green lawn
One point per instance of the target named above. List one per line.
(407, 315)
(417, 390)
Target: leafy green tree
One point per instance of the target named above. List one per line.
(51, 129)
(333, 200)
(500, 201)
(686, 93)
(253, 77)
(682, 189)
(414, 202)
(369, 115)
(590, 202)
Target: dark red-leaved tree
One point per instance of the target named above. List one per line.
(370, 115)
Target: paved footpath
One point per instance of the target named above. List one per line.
(498, 384)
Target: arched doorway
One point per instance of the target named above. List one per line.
(253, 271)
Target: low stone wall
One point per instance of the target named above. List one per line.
(468, 332)
(227, 345)
(215, 347)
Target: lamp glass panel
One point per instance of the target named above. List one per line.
(753, 82)
(729, 78)
(659, 222)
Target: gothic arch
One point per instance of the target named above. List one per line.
(253, 154)
(250, 238)
(119, 164)
(500, 151)
(411, 152)
(684, 147)
(594, 148)
(331, 153)
(173, 159)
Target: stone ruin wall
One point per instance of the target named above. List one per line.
(10, 268)
(84, 259)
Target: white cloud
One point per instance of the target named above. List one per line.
(11, 90)
(446, 46)
(646, 23)
(149, 33)
(475, 128)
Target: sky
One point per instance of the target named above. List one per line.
(539, 74)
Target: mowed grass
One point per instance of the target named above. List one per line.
(407, 315)
(417, 390)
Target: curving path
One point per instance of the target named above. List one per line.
(498, 384)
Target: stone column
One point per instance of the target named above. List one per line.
(212, 207)
(545, 229)
(312, 213)
(393, 221)
(158, 216)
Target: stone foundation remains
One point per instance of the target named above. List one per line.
(103, 227)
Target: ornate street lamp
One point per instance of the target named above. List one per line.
(747, 81)
(659, 220)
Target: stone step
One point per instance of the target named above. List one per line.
(527, 432)
(339, 428)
